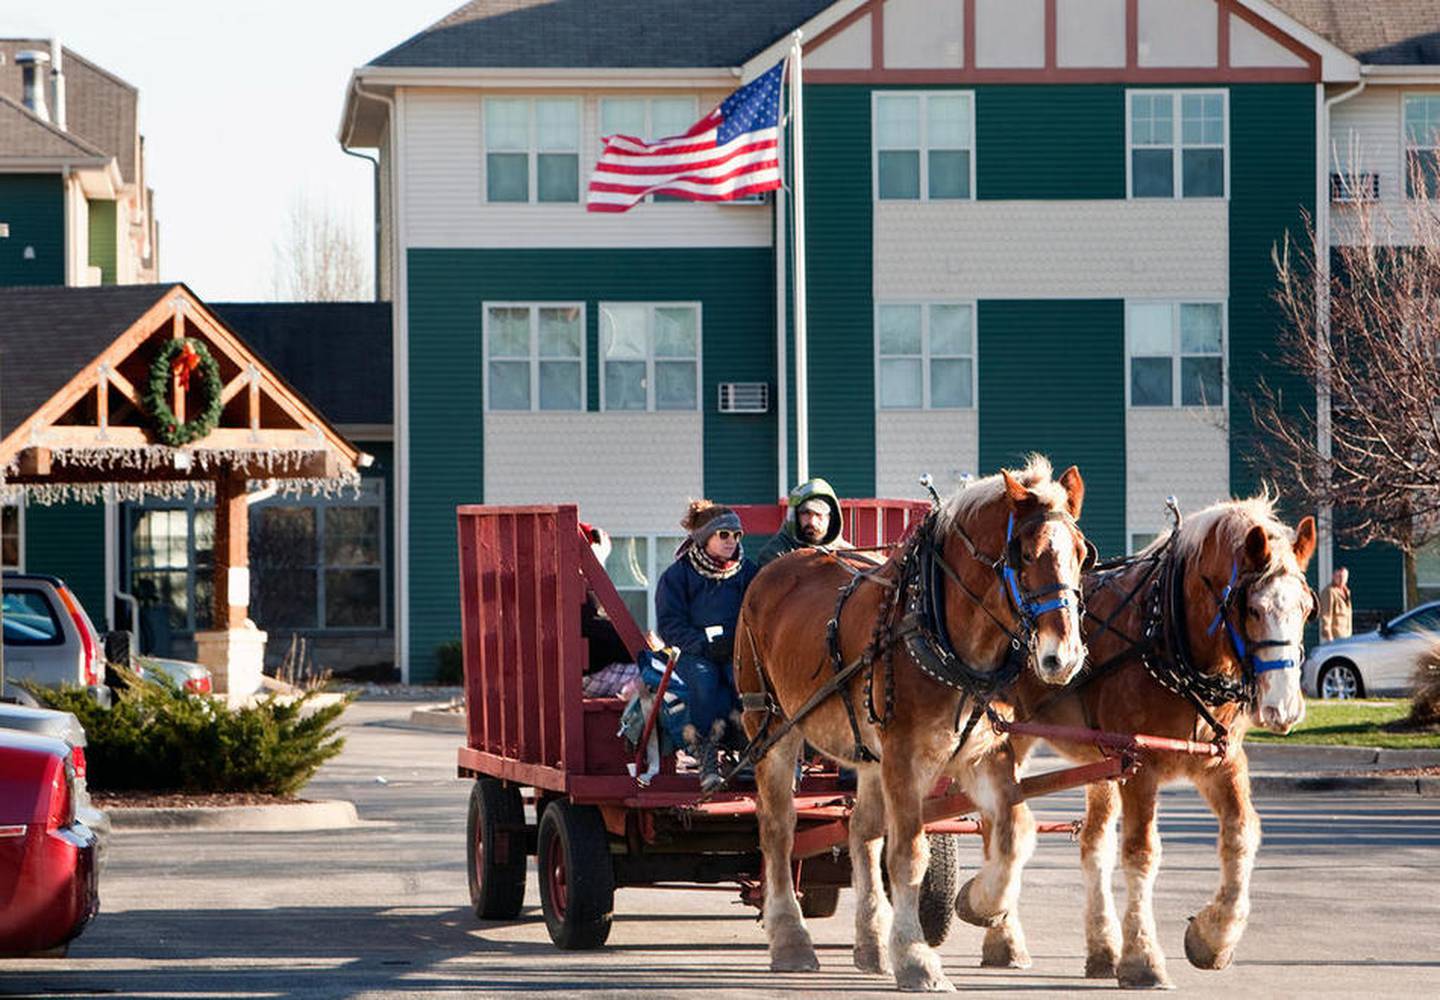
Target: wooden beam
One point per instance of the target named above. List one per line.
(232, 551)
(33, 472)
(233, 387)
(102, 398)
(33, 462)
(125, 387)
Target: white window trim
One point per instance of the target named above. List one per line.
(926, 357)
(1405, 147)
(659, 563)
(1177, 146)
(532, 153)
(650, 357)
(924, 147)
(534, 362)
(648, 100)
(1175, 302)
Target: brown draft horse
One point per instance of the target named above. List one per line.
(1240, 620)
(899, 712)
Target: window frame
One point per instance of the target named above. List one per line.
(1406, 148)
(648, 100)
(532, 151)
(1177, 144)
(926, 357)
(650, 355)
(534, 308)
(19, 566)
(924, 147)
(1177, 356)
(656, 566)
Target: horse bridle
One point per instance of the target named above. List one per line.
(1237, 592)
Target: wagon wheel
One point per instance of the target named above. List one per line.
(941, 883)
(495, 850)
(577, 878)
(939, 887)
(820, 901)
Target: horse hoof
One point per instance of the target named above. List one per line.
(1002, 953)
(1200, 954)
(794, 960)
(917, 979)
(965, 912)
(1143, 977)
(1101, 966)
(876, 960)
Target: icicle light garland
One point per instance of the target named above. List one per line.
(277, 464)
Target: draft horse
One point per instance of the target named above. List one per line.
(1198, 637)
(986, 588)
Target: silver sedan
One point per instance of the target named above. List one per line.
(1379, 662)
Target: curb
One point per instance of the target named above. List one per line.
(437, 719)
(1381, 785)
(329, 814)
(1333, 756)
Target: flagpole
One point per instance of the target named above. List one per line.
(797, 194)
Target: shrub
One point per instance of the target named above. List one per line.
(1425, 703)
(157, 738)
(451, 659)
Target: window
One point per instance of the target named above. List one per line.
(12, 536)
(1427, 572)
(171, 558)
(535, 356)
(1199, 169)
(648, 119)
(318, 563)
(532, 149)
(634, 566)
(29, 619)
(1417, 622)
(925, 356)
(649, 356)
(923, 146)
(1422, 141)
(1176, 353)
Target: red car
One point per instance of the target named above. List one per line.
(48, 880)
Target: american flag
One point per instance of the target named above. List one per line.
(730, 153)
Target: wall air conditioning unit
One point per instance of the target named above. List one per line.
(1354, 187)
(744, 397)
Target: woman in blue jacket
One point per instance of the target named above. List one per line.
(697, 603)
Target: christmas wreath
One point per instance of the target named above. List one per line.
(179, 359)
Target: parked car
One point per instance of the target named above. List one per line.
(191, 678)
(1379, 662)
(49, 638)
(65, 727)
(49, 872)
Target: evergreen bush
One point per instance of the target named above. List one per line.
(158, 738)
(450, 659)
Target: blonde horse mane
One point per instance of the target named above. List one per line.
(1037, 476)
(1231, 521)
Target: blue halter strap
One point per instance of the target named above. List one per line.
(1028, 603)
(1248, 656)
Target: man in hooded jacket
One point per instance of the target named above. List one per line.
(812, 521)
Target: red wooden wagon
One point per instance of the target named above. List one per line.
(531, 734)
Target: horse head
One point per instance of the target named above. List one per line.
(1045, 555)
(1263, 606)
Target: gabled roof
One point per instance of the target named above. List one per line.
(337, 354)
(100, 108)
(1377, 32)
(583, 34)
(23, 136)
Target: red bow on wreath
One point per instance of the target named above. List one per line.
(183, 364)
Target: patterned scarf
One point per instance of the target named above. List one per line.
(710, 567)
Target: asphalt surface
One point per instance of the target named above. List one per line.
(1346, 902)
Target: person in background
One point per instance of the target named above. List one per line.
(697, 603)
(1335, 607)
(812, 521)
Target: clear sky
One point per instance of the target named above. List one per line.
(239, 105)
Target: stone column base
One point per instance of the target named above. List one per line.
(236, 658)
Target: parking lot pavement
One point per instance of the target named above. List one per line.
(1346, 902)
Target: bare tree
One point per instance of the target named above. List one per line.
(1376, 363)
(319, 259)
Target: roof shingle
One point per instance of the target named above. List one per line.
(1392, 33)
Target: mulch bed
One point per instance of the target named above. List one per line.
(181, 800)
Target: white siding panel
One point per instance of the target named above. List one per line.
(1184, 453)
(1009, 33)
(445, 202)
(1365, 137)
(1051, 249)
(924, 34)
(589, 458)
(944, 443)
(1249, 46)
(1178, 33)
(1090, 33)
(850, 49)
